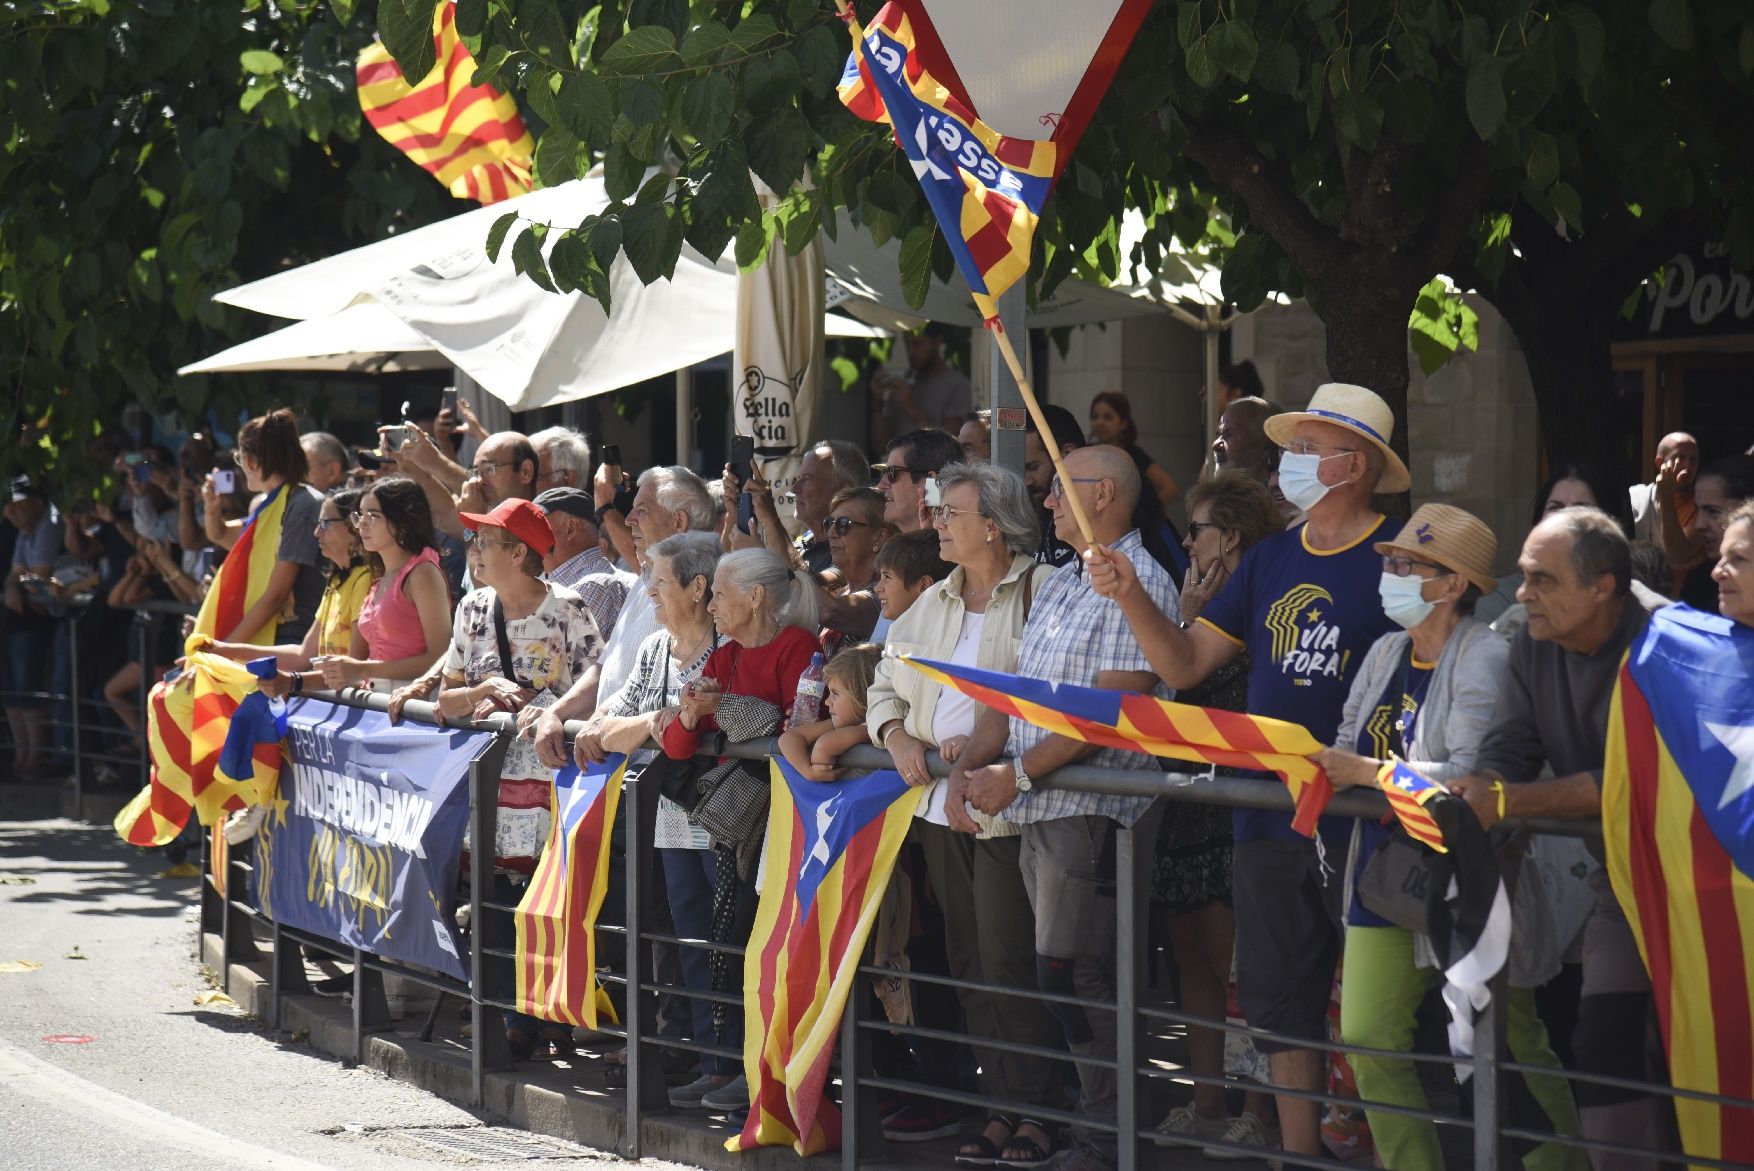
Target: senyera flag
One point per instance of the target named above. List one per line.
(470, 137)
(829, 854)
(986, 179)
(1125, 719)
(1678, 824)
(556, 920)
(1410, 796)
(187, 719)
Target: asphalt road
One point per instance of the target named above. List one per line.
(106, 1059)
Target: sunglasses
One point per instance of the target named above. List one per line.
(889, 473)
(840, 526)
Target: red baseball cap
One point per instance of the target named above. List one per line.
(521, 518)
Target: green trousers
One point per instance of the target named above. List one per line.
(1380, 990)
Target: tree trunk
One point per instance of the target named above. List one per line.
(1572, 370)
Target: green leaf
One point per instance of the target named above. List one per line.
(261, 61)
(1277, 69)
(707, 106)
(1542, 168)
(406, 27)
(777, 147)
(1442, 324)
(1234, 48)
(1568, 206)
(1485, 94)
(571, 263)
(622, 172)
(496, 235)
(725, 198)
(703, 41)
(1188, 23)
(1673, 21)
(645, 49)
(585, 107)
(560, 158)
(527, 258)
(916, 263)
(751, 244)
(1591, 39)
(669, 14)
(1203, 69)
(770, 81)
(754, 32)
(1495, 249)
(1245, 277)
(651, 236)
(641, 103)
(1745, 48)
(1359, 119)
(543, 31)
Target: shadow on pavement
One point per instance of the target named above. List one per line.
(74, 863)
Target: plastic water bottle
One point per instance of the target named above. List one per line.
(807, 704)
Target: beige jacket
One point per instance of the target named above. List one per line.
(929, 630)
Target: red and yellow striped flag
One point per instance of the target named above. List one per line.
(1409, 794)
(186, 720)
(556, 920)
(1125, 719)
(470, 137)
(1677, 807)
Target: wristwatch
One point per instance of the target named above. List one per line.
(1024, 784)
(607, 508)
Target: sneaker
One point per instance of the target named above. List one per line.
(890, 1103)
(242, 825)
(1184, 1121)
(1244, 1130)
(922, 1121)
(334, 987)
(689, 1097)
(733, 1095)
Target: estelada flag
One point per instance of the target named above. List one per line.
(987, 188)
(1678, 824)
(1157, 727)
(830, 851)
(556, 920)
(187, 719)
(1409, 796)
(470, 137)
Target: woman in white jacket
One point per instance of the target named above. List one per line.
(988, 531)
(1425, 696)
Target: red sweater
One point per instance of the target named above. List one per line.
(768, 672)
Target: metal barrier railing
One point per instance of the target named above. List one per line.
(227, 913)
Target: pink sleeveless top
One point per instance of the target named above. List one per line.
(389, 620)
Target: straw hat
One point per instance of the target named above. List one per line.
(1450, 537)
(1359, 411)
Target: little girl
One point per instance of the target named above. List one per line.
(814, 748)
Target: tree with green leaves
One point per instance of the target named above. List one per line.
(151, 151)
(1356, 148)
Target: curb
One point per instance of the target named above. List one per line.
(543, 1104)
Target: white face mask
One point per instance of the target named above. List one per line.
(1300, 477)
(1403, 600)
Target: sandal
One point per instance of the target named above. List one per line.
(1028, 1152)
(521, 1045)
(981, 1151)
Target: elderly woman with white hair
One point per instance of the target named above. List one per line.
(765, 616)
(987, 529)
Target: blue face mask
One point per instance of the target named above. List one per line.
(1300, 477)
(1403, 600)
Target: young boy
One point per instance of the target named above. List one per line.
(906, 565)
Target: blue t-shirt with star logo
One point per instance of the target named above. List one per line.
(1306, 617)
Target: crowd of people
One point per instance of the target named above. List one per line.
(528, 579)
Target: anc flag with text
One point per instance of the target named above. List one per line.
(1409, 795)
(986, 189)
(1125, 719)
(829, 854)
(1678, 824)
(187, 719)
(470, 137)
(556, 919)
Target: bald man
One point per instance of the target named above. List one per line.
(1663, 510)
(1067, 855)
(1241, 443)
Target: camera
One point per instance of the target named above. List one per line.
(395, 438)
(225, 481)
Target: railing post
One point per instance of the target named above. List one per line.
(645, 1072)
(487, 1042)
(73, 689)
(145, 624)
(861, 1129)
(371, 1011)
(1489, 1029)
(1131, 926)
(286, 972)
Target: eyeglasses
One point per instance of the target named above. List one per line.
(1195, 528)
(1307, 447)
(323, 522)
(1055, 488)
(943, 513)
(889, 473)
(840, 526)
(1404, 566)
(486, 542)
(363, 515)
(484, 470)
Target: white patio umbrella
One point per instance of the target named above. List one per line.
(365, 337)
